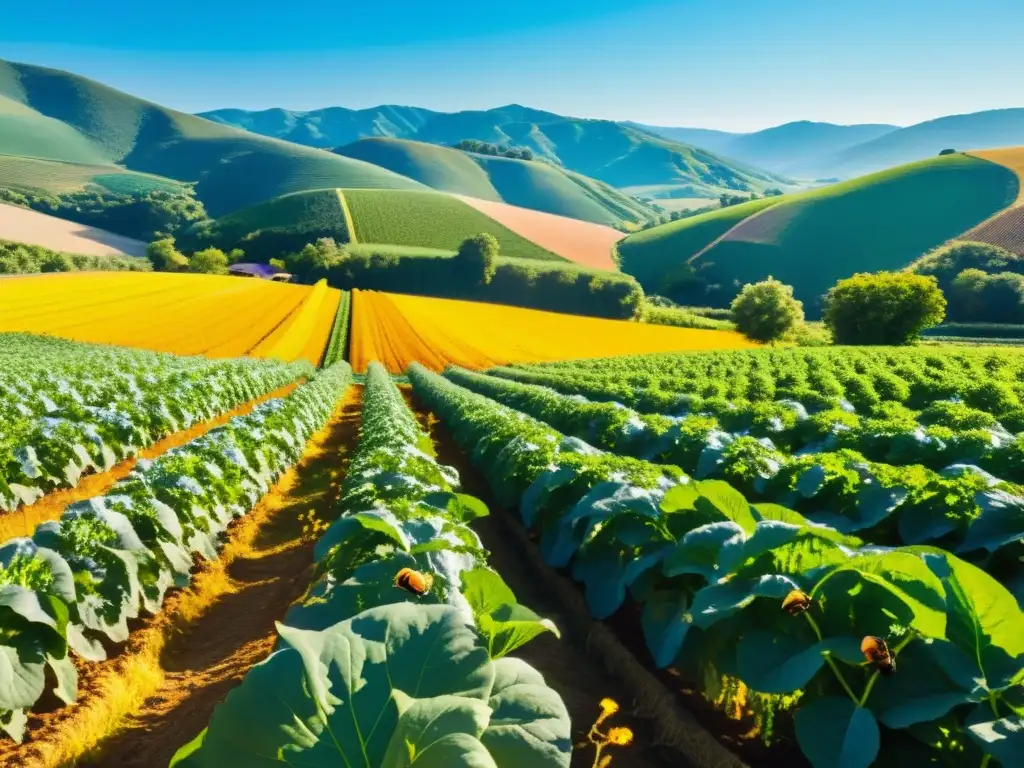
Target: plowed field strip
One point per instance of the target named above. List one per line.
(137, 709)
(23, 521)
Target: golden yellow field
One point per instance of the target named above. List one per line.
(185, 314)
(397, 329)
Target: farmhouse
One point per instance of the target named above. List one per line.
(262, 271)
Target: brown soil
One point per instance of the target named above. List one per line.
(23, 521)
(578, 241)
(208, 636)
(564, 662)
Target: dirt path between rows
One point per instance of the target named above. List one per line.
(23, 521)
(200, 667)
(137, 709)
(564, 662)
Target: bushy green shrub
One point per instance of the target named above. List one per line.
(766, 311)
(22, 259)
(883, 308)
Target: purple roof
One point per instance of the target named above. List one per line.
(256, 270)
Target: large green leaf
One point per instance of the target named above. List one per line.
(698, 551)
(22, 677)
(770, 662)
(982, 619)
(391, 687)
(1000, 522)
(460, 507)
(529, 722)
(833, 732)
(923, 689)
(666, 620)
(907, 577)
(1003, 738)
(504, 623)
(721, 497)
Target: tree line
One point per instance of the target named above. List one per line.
(497, 150)
(140, 215)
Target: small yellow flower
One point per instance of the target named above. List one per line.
(621, 736)
(605, 761)
(609, 707)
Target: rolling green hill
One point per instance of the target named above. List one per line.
(811, 240)
(622, 155)
(26, 174)
(429, 220)
(529, 184)
(655, 254)
(48, 114)
(413, 222)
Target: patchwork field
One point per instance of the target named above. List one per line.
(430, 220)
(578, 241)
(185, 314)
(1006, 229)
(398, 330)
(21, 225)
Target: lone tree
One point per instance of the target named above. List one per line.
(883, 308)
(165, 257)
(766, 311)
(478, 258)
(211, 261)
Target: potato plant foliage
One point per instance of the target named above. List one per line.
(751, 589)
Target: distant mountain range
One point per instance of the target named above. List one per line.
(653, 161)
(625, 156)
(813, 150)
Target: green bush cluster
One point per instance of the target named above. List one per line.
(142, 215)
(21, 259)
(518, 282)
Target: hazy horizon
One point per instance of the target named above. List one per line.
(689, 63)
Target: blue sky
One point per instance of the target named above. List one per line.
(740, 65)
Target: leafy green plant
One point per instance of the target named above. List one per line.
(393, 686)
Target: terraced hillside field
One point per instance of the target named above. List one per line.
(811, 240)
(185, 314)
(22, 225)
(1007, 228)
(58, 116)
(399, 329)
(429, 220)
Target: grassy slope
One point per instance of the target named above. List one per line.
(317, 212)
(26, 174)
(232, 168)
(651, 254)
(534, 185)
(428, 219)
(876, 222)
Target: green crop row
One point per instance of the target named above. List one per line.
(68, 408)
(76, 584)
(962, 508)
(910, 646)
(398, 653)
(338, 344)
